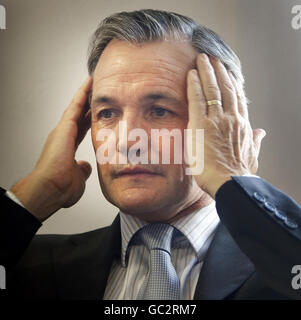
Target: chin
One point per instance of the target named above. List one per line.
(135, 204)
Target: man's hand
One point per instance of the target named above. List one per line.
(58, 180)
(231, 147)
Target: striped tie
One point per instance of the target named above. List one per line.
(162, 282)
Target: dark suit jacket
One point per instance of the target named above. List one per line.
(251, 256)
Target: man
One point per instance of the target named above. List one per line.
(155, 70)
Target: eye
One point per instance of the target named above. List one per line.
(106, 114)
(160, 112)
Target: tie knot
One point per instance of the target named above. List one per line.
(157, 236)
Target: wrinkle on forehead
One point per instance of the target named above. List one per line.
(134, 90)
(139, 67)
(163, 63)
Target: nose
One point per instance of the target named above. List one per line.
(133, 138)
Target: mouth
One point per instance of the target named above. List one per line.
(136, 172)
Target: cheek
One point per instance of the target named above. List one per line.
(93, 136)
(104, 177)
(104, 171)
(171, 145)
(100, 136)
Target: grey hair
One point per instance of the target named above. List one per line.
(156, 25)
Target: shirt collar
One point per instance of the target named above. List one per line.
(197, 227)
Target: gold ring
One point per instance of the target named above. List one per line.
(214, 102)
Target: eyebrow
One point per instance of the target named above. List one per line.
(150, 97)
(161, 96)
(104, 100)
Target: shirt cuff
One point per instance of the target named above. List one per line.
(250, 175)
(12, 196)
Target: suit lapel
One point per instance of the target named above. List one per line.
(225, 268)
(82, 266)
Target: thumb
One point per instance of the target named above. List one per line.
(85, 168)
(258, 135)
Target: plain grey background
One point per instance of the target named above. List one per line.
(43, 61)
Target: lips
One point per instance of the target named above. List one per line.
(135, 171)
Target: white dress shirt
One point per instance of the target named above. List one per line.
(191, 240)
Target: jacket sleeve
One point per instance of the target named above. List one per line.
(266, 224)
(17, 229)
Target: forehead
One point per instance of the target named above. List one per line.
(162, 64)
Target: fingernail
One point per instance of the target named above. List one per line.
(203, 56)
(194, 74)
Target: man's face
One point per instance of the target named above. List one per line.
(145, 86)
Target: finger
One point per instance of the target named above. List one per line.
(228, 93)
(79, 102)
(209, 84)
(258, 135)
(83, 126)
(241, 98)
(84, 122)
(85, 168)
(195, 95)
